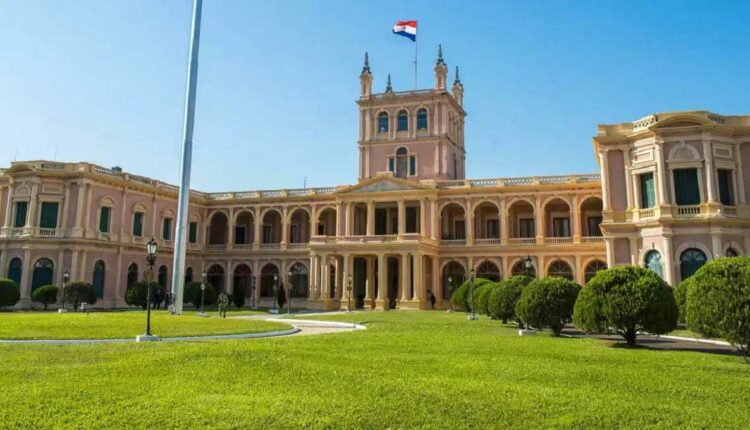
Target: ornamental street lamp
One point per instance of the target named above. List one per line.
(203, 292)
(150, 259)
(275, 292)
(289, 293)
(349, 293)
(252, 290)
(473, 315)
(66, 277)
(527, 265)
(450, 291)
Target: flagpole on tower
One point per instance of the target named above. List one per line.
(178, 268)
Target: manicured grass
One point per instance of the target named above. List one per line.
(109, 325)
(408, 370)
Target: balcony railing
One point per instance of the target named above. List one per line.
(241, 246)
(648, 213)
(522, 240)
(453, 242)
(270, 246)
(592, 239)
(487, 241)
(297, 245)
(558, 240)
(49, 232)
(217, 247)
(690, 211)
(729, 210)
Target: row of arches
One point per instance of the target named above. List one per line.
(522, 220)
(43, 273)
(454, 273)
(691, 260)
(297, 223)
(270, 277)
(402, 120)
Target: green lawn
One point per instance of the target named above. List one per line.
(109, 325)
(408, 370)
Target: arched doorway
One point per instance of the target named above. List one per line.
(592, 268)
(98, 279)
(15, 269)
(267, 281)
(488, 270)
(132, 275)
(454, 275)
(215, 277)
(43, 271)
(653, 263)
(453, 222)
(731, 252)
(691, 260)
(241, 281)
(218, 229)
(561, 269)
(299, 280)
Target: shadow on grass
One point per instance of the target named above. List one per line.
(658, 343)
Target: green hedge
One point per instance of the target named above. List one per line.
(548, 303)
(628, 299)
(718, 301)
(46, 295)
(501, 302)
(10, 294)
(79, 292)
(461, 296)
(193, 294)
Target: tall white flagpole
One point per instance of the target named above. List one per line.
(178, 272)
(415, 63)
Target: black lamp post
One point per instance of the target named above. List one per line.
(275, 291)
(527, 265)
(289, 288)
(150, 259)
(204, 275)
(473, 315)
(349, 293)
(252, 290)
(450, 290)
(66, 277)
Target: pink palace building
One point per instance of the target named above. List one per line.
(671, 194)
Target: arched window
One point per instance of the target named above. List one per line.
(453, 276)
(422, 119)
(403, 121)
(690, 261)
(267, 280)
(731, 252)
(298, 280)
(561, 269)
(132, 275)
(653, 263)
(15, 269)
(520, 269)
(382, 122)
(592, 268)
(98, 279)
(43, 269)
(162, 279)
(215, 277)
(188, 275)
(488, 270)
(402, 162)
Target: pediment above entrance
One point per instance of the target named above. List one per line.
(383, 183)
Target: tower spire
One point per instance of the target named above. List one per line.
(366, 68)
(440, 55)
(458, 79)
(388, 88)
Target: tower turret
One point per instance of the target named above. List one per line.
(458, 89)
(365, 79)
(441, 71)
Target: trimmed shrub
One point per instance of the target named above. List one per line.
(548, 303)
(281, 296)
(137, 293)
(628, 299)
(45, 295)
(79, 292)
(680, 297)
(193, 294)
(481, 295)
(501, 302)
(718, 301)
(462, 295)
(238, 299)
(10, 294)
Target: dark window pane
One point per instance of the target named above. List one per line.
(403, 121)
(648, 199)
(104, 214)
(166, 233)
(20, 219)
(382, 122)
(726, 187)
(138, 224)
(48, 217)
(687, 191)
(193, 234)
(422, 120)
(412, 165)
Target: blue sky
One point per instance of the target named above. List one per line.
(89, 80)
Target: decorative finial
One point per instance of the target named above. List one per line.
(388, 88)
(458, 78)
(366, 68)
(440, 55)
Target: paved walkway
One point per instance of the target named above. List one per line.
(299, 327)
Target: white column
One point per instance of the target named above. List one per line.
(419, 290)
(381, 296)
(633, 250)
(575, 218)
(661, 176)
(604, 165)
(9, 207)
(716, 245)
(739, 180)
(401, 217)
(668, 260)
(284, 228)
(469, 223)
(422, 231)
(31, 215)
(437, 281)
(710, 173)
(325, 277)
(314, 284)
(258, 222)
(609, 245)
(405, 278)
(79, 208)
(628, 182)
(370, 230)
(434, 224)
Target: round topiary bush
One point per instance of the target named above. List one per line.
(45, 295)
(628, 299)
(548, 303)
(680, 297)
(481, 295)
(136, 294)
(501, 302)
(10, 294)
(718, 301)
(79, 292)
(193, 294)
(462, 295)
